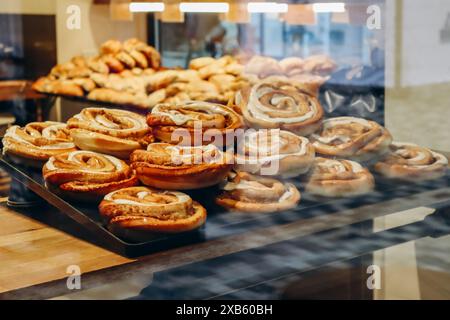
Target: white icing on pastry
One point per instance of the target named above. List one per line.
(50, 164)
(181, 198)
(402, 152)
(179, 118)
(329, 123)
(260, 152)
(339, 166)
(245, 185)
(259, 110)
(100, 122)
(46, 133)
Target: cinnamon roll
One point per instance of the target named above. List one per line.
(274, 152)
(278, 102)
(407, 161)
(37, 142)
(194, 123)
(86, 175)
(139, 213)
(250, 193)
(339, 178)
(110, 131)
(168, 166)
(351, 138)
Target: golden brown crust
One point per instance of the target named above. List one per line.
(274, 152)
(172, 167)
(339, 178)
(250, 193)
(411, 162)
(110, 131)
(278, 102)
(87, 174)
(197, 122)
(113, 63)
(38, 140)
(351, 138)
(63, 87)
(151, 210)
(111, 47)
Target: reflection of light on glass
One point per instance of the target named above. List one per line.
(262, 7)
(329, 7)
(220, 7)
(146, 7)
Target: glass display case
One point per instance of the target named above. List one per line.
(224, 149)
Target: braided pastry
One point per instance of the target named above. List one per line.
(339, 178)
(138, 213)
(274, 152)
(411, 162)
(278, 102)
(172, 167)
(351, 138)
(37, 142)
(87, 175)
(110, 131)
(194, 122)
(250, 193)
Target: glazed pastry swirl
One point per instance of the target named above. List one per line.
(113, 122)
(333, 178)
(251, 193)
(38, 140)
(152, 210)
(352, 138)
(196, 117)
(167, 166)
(167, 154)
(281, 103)
(88, 172)
(111, 131)
(411, 162)
(274, 152)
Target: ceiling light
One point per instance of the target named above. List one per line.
(204, 7)
(267, 7)
(146, 7)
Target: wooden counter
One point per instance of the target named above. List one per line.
(33, 253)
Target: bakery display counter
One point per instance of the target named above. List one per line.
(257, 263)
(252, 152)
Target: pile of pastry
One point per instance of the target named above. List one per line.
(130, 73)
(134, 166)
(314, 69)
(114, 73)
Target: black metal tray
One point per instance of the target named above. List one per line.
(221, 223)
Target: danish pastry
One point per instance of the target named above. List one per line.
(351, 138)
(338, 178)
(37, 142)
(62, 87)
(87, 175)
(110, 131)
(166, 166)
(407, 161)
(319, 64)
(278, 102)
(292, 65)
(250, 193)
(263, 67)
(140, 213)
(194, 123)
(274, 152)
